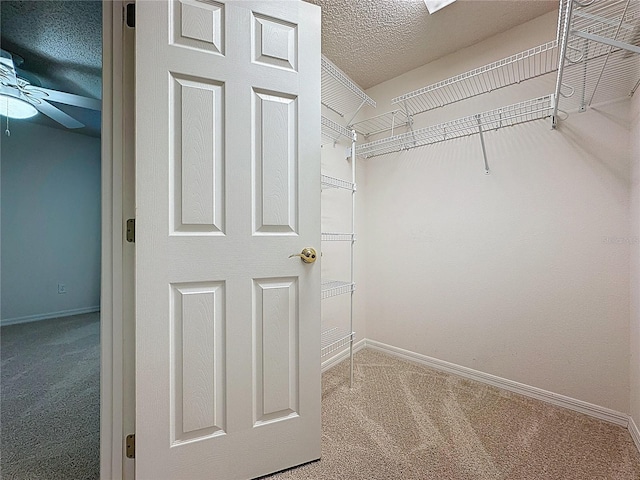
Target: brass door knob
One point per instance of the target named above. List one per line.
(308, 255)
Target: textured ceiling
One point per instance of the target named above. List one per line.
(376, 40)
(61, 44)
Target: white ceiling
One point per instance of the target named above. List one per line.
(376, 40)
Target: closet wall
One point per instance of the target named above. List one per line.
(634, 245)
(523, 273)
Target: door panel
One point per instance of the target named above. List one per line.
(197, 127)
(227, 187)
(276, 349)
(275, 158)
(198, 326)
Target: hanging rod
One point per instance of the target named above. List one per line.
(526, 111)
(522, 66)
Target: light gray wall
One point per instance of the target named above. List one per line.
(50, 222)
(523, 273)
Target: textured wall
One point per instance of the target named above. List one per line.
(50, 221)
(634, 244)
(522, 273)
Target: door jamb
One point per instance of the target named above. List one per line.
(111, 300)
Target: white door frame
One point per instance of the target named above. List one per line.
(116, 318)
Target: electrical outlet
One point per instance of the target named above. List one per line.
(62, 288)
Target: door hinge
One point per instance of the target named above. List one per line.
(131, 230)
(130, 15)
(130, 446)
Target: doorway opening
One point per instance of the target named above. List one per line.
(51, 239)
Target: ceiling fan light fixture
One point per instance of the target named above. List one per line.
(434, 5)
(15, 107)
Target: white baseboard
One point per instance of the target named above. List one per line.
(635, 433)
(590, 409)
(342, 355)
(47, 316)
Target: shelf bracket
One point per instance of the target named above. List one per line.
(484, 151)
(635, 87)
(356, 112)
(607, 41)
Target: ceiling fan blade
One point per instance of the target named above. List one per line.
(57, 115)
(71, 99)
(7, 69)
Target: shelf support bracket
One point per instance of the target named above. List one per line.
(607, 41)
(635, 87)
(484, 151)
(356, 112)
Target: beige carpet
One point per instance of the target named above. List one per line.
(406, 421)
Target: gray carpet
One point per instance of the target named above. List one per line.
(50, 399)
(406, 421)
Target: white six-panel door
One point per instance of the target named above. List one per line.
(227, 187)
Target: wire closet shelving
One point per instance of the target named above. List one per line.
(526, 111)
(343, 97)
(340, 94)
(389, 121)
(517, 68)
(332, 131)
(599, 53)
(522, 66)
(335, 338)
(338, 237)
(328, 181)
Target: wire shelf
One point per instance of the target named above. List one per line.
(332, 288)
(522, 66)
(339, 93)
(333, 131)
(601, 60)
(385, 122)
(333, 182)
(334, 339)
(338, 237)
(526, 111)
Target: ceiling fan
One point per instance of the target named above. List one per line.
(20, 99)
